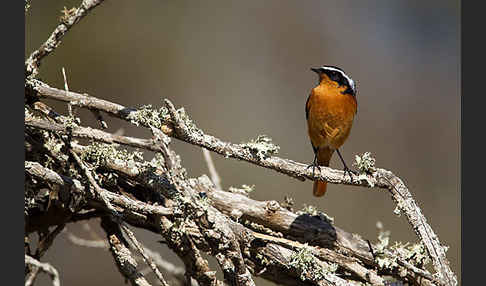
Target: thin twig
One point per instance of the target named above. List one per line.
(66, 88)
(100, 119)
(31, 276)
(69, 19)
(44, 267)
(128, 204)
(127, 265)
(145, 256)
(212, 169)
(100, 192)
(168, 267)
(47, 241)
(83, 216)
(96, 113)
(177, 272)
(86, 242)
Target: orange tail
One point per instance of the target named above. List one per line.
(323, 157)
(319, 188)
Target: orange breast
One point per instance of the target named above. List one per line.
(330, 116)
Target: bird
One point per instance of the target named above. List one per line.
(330, 110)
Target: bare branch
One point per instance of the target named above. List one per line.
(405, 203)
(47, 240)
(70, 18)
(142, 252)
(66, 88)
(31, 276)
(195, 216)
(177, 272)
(95, 134)
(44, 267)
(213, 226)
(99, 191)
(171, 269)
(176, 124)
(127, 265)
(126, 203)
(86, 242)
(212, 169)
(348, 263)
(304, 228)
(39, 171)
(83, 216)
(77, 99)
(196, 266)
(272, 208)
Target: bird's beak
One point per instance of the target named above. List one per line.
(316, 70)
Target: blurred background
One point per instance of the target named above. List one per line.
(241, 68)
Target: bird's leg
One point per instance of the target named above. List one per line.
(346, 169)
(314, 164)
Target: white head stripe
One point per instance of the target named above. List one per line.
(351, 82)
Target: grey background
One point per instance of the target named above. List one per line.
(241, 68)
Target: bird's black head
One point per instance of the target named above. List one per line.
(337, 75)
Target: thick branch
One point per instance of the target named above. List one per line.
(120, 201)
(256, 209)
(304, 228)
(94, 134)
(179, 128)
(189, 221)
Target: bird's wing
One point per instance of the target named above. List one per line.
(307, 107)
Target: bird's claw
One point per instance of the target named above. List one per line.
(314, 166)
(349, 172)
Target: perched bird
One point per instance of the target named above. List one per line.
(329, 110)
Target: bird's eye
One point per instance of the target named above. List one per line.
(334, 76)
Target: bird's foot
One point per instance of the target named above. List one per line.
(349, 172)
(314, 165)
